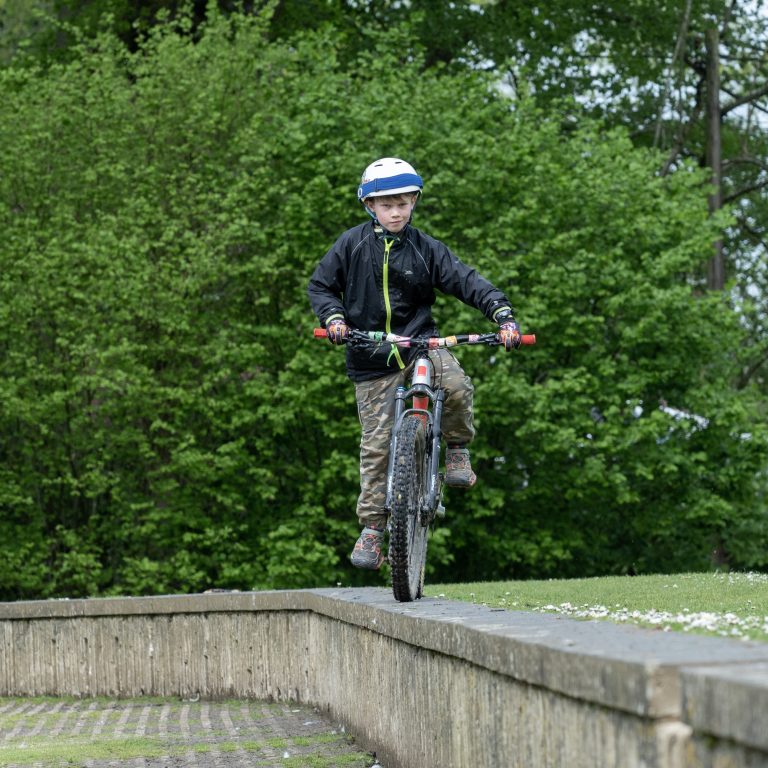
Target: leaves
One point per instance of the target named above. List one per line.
(169, 424)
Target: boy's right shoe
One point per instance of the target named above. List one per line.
(367, 552)
(458, 468)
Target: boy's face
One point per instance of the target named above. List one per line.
(392, 211)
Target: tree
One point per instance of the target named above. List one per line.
(167, 422)
(641, 64)
(613, 432)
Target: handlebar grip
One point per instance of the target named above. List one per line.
(320, 333)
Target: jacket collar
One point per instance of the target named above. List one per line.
(385, 234)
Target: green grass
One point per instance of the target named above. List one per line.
(318, 750)
(70, 751)
(65, 751)
(317, 761)
(721, 604)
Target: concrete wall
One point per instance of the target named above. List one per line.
(432, 683)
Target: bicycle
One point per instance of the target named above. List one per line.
(414, 481)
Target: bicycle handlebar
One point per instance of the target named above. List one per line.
(430, 342)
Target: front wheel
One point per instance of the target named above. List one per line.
(408, 535)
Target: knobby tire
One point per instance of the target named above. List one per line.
(408, 537)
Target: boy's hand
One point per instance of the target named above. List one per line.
(509, 335)
(338, 332)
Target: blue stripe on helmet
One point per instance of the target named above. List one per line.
(390, 182)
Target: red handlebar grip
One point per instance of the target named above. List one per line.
(320, 333)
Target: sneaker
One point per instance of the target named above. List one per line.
(367, 552)
(458, 468)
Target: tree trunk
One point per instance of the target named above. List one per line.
(716, 269)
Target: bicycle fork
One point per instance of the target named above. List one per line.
(422, 392)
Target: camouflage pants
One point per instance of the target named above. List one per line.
(376, 409)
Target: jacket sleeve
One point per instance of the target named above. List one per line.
(452, 276)
(326, 286)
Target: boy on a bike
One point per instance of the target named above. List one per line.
(382, 275)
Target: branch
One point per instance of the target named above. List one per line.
(757, 236)
(758, 58)
(683, 129)
(754, 105)
(745, 161)
(744, 99)
(745, 191)
(676, 54)
(751, 370)
(724, 32)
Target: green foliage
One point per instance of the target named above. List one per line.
(167, 423)
(609, 479)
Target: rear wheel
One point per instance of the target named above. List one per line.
(408, 535)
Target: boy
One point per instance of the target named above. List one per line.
(382, 275)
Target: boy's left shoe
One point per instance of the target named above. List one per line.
(367, 552)
(458, 468)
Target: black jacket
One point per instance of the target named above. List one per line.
(393, 292)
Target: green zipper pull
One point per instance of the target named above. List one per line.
(388, 325)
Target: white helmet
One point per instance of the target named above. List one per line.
(388, 176)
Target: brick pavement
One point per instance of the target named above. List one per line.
(150, 733)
